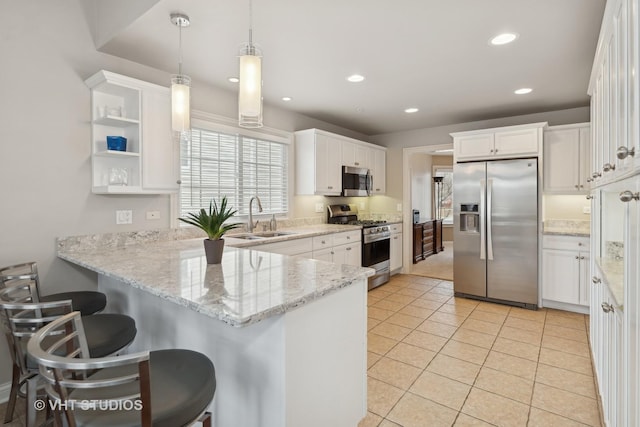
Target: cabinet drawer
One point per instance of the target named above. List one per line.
(347, 237)
(565, 243)
(290, 247)
(427, 226)
(321, 242)
(396, 228)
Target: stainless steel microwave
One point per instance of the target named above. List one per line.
(356, 181)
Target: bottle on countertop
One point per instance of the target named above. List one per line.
(273, 224)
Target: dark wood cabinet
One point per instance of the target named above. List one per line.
(427, 239)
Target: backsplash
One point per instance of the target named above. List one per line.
(568, 226)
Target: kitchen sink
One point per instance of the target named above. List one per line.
(261, 235)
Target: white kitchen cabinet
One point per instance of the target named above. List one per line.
(567, 159)
(140, 112)
(294, 247)
(319, 160)
(395, 248)
(323, 254)
(340, 248)
(498, 143)
(378, 164)
(565, 273)
(350, 254)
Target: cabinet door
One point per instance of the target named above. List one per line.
(473, 147)
(323, 254)
(560, 272)
(328, 165)
(585, 159)
(395, 252)
(159, 151)
(348, 254)
(585, 278)
(378, 164)
(562, 161)
(516, 142)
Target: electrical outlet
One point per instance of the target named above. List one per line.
(399, 207)
(153, 215)
(319, 207)
(586, 209)
(124, 217)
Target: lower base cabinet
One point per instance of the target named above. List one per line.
(395, 248)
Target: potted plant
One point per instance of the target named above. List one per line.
(212, 223)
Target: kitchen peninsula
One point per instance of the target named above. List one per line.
(287, 335)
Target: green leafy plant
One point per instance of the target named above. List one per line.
(212, 222)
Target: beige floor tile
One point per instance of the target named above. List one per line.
(415, 293)
(523, 313)
(458, 309)
(511, 365)
(566, 345)
(465, 420)
(425, 340)
(379, 344)
(567, 322)
(442, 390)
(396, 373)
(448, 319)
(402, 299)
(495, 409)
(516, 348)
(415, 311)
(522, 335)
(379, 292)
(415, 411)
(488, 316)
(467, 352)
(419, 286)
(475, 338)
(453, 368)
(387, 423)
(527, 325)
(564, 360)
(437, 328)
(371, 420)
(393, 287)
(566, 314)
(540, 418)
(381, 396)
(506, 385)
(412, 355)
(425, 303)
(481, 326)
(435, 297)
(445, 284)
(424, 280)
(378, 313)
(372, 358)
(372, 299)
(404, 320)
(389, 330)
(463, 302)
(493, 308)
(388, 305)
(442, 291)
(567, 380)
(567, 333)
(371, 323)
(570, 405)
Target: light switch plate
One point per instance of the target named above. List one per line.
(153, 215)
(399, 207)
(586, 209)
(124, 217)
(319, 207)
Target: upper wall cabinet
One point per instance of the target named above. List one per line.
(320, 156)
(141, 113)
(498, 143)
(567, 154)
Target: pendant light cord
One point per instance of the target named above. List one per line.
(180, 49)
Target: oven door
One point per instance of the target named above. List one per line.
(375, 252)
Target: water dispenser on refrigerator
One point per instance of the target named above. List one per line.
(469, 218)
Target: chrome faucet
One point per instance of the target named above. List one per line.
(251, 225)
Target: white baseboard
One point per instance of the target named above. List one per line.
(565, 306)
(5, 389)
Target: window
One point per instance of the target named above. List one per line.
(239, 166)
(443, 193)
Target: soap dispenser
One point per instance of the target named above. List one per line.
(273, 224)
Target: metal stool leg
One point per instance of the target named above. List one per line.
(32, 393)
(15, 386)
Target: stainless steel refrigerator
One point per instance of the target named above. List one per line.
(495, 243)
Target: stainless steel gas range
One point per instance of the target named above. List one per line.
(375, 241)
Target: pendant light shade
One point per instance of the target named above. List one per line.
(180, 85)
(250, 91)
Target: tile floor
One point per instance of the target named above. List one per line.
(436, 360)
(19, 418)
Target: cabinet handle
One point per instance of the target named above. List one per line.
(596, 280)
(357, 164)
(623, 152)
(581, 186)
(596, 175)
(606, 307)
(579, 244)
(395, 237)
(348, 237)
(491, 151)
(323, 242)
(348, 249)
(330, 187)
(589, 197)
(577, 257)
(495, 151)
(589, 179)
(627, 196)
(179, 182)
(582, 257)
(577, 186)
(607, 167)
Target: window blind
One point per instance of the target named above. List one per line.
(216, 164)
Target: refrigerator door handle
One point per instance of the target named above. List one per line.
(481, 219)
(489, 214)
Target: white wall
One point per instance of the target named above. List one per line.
(421, 173)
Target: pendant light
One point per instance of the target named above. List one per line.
(180, 84)
(250, 93)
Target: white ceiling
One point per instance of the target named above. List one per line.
(430, 54)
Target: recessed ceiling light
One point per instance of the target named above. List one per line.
(355, 78)
(286, 98)
(411, 110)
(523, 91)
(233, 79)
(503, 39)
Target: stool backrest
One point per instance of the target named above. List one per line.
(19, 274)
(64, 362)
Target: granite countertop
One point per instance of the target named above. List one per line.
(246, 287)
(563, 227)
(296, 233)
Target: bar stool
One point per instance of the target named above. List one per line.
(86, 302)
(106, 334)
(164, 388)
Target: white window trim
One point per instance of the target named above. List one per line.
(216, 123)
